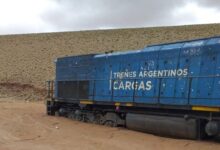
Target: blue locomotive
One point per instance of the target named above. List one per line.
(170, 89)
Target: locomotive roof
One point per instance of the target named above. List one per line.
(167, 46)
(157, 47)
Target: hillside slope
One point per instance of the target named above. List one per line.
(28, 59)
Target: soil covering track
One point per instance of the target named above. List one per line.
(25, 126)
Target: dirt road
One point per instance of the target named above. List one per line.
(25, 126)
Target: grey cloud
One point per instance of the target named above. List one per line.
(87, 14)
(72, 15)
(209, 3)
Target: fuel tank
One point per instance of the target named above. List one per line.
(163, 125)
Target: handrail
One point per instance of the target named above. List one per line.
(50, 88)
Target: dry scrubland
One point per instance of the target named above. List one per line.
(28, 59)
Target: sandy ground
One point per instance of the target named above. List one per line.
(25, 126)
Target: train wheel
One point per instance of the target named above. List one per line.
(98, 119)
(110, 123)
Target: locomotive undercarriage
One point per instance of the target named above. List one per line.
(89, 114)
(172, 123)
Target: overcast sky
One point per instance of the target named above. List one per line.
(33, 16)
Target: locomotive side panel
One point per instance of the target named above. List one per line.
(72, 77)
(169, 57)
(173, 74)
(204, 90)
(148, 61)
(175, 85)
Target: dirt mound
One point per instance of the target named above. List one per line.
(21, 91)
